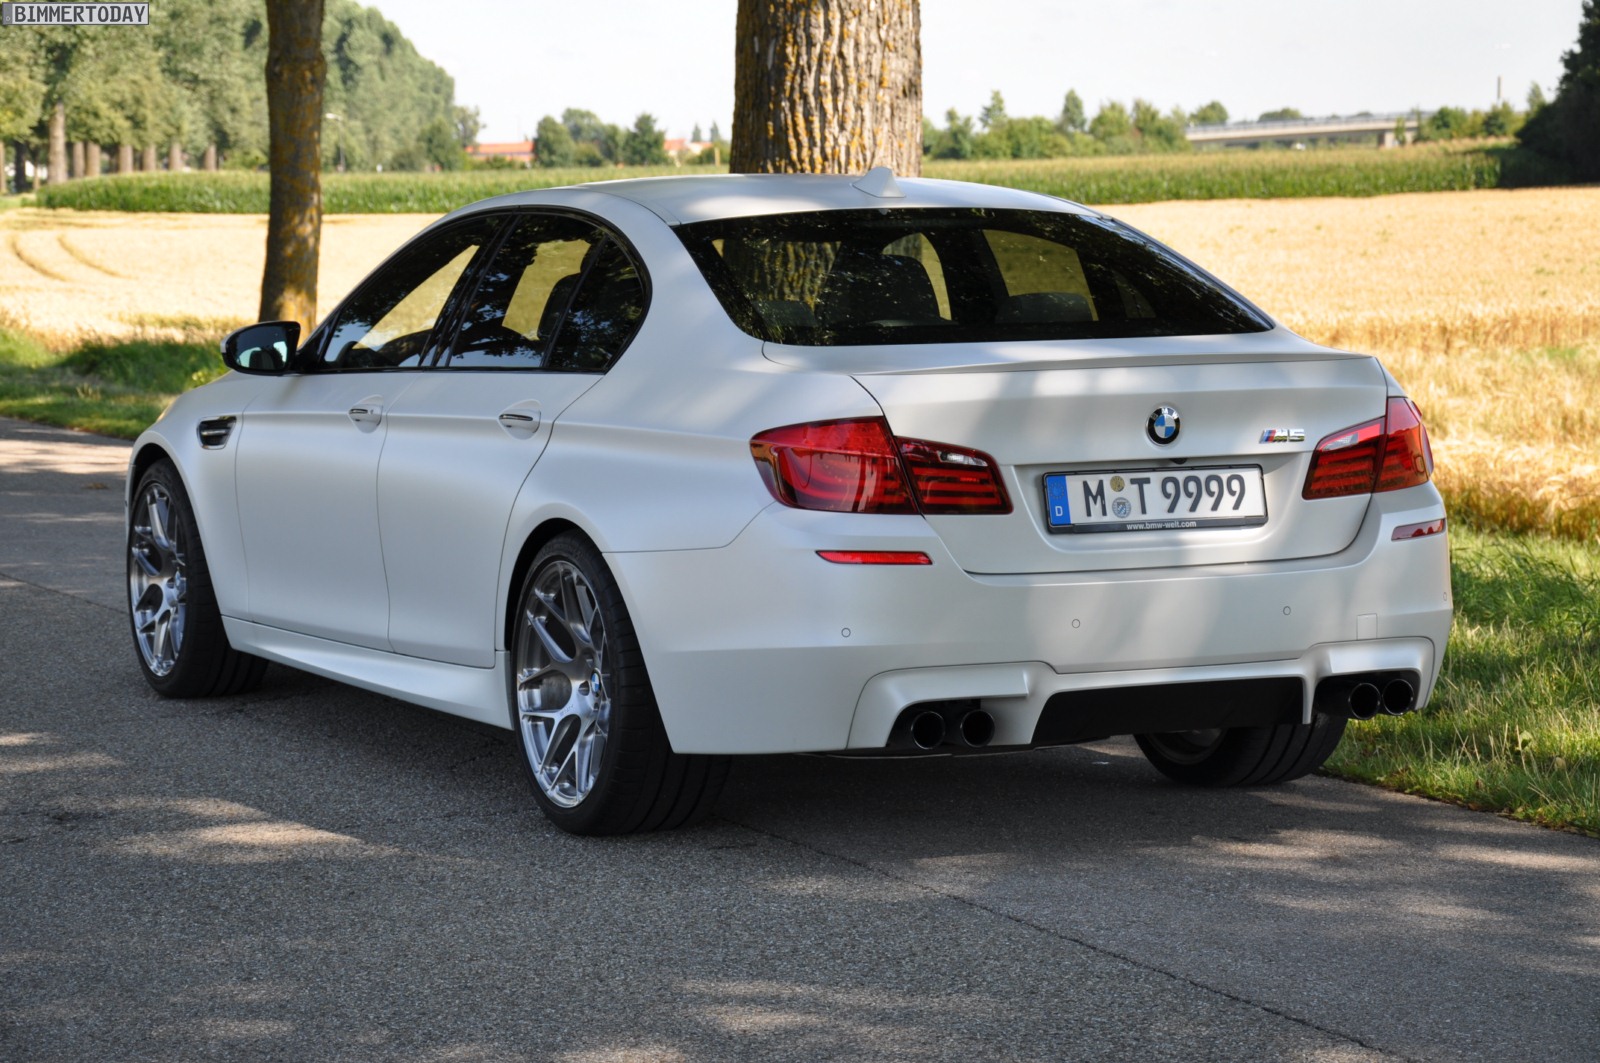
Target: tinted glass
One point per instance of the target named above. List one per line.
(606, 310)
(519, 302)
(388, 322)
(954, 276)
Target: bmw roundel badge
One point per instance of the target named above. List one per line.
(1163, 425)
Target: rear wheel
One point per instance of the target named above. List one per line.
(1244, 756)
(591, 737)
(177, 627)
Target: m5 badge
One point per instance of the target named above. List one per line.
(1283, 435)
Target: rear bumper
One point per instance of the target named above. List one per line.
(763, 647)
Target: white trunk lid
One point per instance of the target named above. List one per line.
(1079, 407)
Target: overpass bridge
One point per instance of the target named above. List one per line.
(1382, 126)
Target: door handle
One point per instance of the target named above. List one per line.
(369, 413)
(520, 421)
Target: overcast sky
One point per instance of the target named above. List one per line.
(674, 58)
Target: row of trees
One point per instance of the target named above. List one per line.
(1115, 129)
(191, 85)
(1567, 129)
(580, 138)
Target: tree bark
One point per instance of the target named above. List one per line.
(827, 86)
(91, 160)
(174, 157)
(58, 143)
(124, 158)
(22, 183)
(295, 75)
(150, 165)
(208, 161)
(78, 169)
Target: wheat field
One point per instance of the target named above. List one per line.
(1485, 305)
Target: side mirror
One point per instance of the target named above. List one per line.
(263, 348)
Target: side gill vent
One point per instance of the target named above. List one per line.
(214, 432)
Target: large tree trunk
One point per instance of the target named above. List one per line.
(78, 159)
(150, 163)
(22, 182)
(174, 157)
(827, 86)
(124, 158)
(91, 160)
(295, 73)
(208, 161)
(58, 143)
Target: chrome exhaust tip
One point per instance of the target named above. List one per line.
(927, 729)
(1399, 697)
(976, 728)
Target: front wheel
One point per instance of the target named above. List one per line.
(1244, 756)
(592, 740)
(177, 627)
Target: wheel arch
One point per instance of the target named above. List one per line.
(535, 541)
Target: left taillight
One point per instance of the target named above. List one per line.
(1387, 454)
(858, 466)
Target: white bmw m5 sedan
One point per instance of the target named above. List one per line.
(654, 472)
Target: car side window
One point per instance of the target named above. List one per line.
(389, 321)
(518, 305)
(606, 311)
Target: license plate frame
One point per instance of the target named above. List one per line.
(1222, 496)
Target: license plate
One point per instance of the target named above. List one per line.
(1228, 496)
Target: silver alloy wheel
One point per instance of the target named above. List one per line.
(158, 580)
(563, 704)
(1187, 747)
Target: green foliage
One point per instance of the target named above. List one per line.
(555, 144)
(1567, 129)
(22, 85)
(1139, 179)
(958, 139)
(1514, 725)
(348, 193)
(1112, 124)
(1212, 113)
(1282, 114)
(440, 147)
(1236, 175)
(1073, 118)
(116, 389)
(993, 116)
(643, 144)
(597, 143)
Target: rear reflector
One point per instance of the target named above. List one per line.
(875, 557)
(1419, 531)
(857, 466)
(1383, 455)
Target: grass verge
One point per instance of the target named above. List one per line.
(1514, 725)
(113, 388)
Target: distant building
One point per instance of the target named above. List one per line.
(682, 150)
(520, 152)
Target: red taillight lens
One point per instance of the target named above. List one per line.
(1407, 457)
(1383, 455)
(857, 466)
(841, 466)
(950, 479)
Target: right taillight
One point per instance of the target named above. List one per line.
(1383, 455)
(858, 466)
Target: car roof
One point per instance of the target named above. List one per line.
(703, 197)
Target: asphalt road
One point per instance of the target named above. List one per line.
(312, 872)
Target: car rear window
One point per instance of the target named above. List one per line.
(833, 278)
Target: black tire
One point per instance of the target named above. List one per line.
(592, 741)
(178, 638)
(1244, 756)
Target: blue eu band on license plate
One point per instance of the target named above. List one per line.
(1229, 496)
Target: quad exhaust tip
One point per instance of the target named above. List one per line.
(932, 725)
(1366, 695)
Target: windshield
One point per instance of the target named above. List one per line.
(848, 277)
